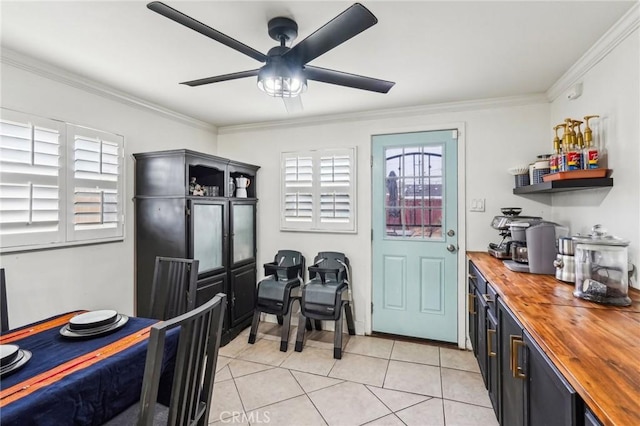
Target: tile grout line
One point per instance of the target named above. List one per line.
(444, 416)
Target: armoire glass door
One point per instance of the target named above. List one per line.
(208, 235)
(243, 229)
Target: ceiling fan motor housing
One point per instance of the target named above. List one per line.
(281, 27)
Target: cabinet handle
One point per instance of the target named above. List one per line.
(515, 343)
(490, 332)
(472, 277)
(471, 306)
(487, 299)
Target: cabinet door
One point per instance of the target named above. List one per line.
(482, 336)
(243, 293)
(492, 361)
(209, 287)
(472, 309)
(208, 235)
(243, 232)
(551, 401)
(512, 378)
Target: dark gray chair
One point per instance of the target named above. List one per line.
(325, 296)
(195, 367)
(4, 315)
(277, 292)
(173, 291)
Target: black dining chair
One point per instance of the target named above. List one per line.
(4, 315)
(277, 292)
(173, 291)
(325, 296)
(195, 367)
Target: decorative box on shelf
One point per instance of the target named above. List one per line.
(577, 174)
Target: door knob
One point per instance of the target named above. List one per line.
(451, 248)
(451, 232)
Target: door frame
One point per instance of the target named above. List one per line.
(462, 209)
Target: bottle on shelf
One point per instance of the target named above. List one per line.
(573, 153)
(590, 152)
(555, 159)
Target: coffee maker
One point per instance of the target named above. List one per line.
(502, 250)
(541, 240)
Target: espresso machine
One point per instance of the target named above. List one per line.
(502, 250)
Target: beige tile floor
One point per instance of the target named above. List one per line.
(378, 381)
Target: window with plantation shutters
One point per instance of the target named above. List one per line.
(60, 184)
(318, 190)
(95, 205)
(30, 180)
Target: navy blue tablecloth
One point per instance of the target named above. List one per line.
(90, 396)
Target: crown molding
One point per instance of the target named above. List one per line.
(35, 66)
(622, 29)
(440, 108)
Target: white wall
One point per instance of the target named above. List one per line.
(44, 283)
(496, 138)
(611, 89)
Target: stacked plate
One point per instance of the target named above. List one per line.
(12, 358)
(93, 324)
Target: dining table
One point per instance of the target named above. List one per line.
(78, 381)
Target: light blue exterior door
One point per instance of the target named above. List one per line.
(415, 235)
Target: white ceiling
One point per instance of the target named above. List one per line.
(435, 51)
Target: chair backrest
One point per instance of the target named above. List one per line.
(173, 291)
(332, 260)
(4, 315)
(195, 367)
(289, 258)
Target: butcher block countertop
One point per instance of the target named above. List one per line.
(595, 347)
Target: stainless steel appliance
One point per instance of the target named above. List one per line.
(502, 250)
(540, 240)
(565, 262)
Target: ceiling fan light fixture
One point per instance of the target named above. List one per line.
(279, 81)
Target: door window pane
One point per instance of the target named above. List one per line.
(207, 236)
(243, 232)
(414, 194)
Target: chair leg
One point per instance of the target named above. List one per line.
(308, 325)
(302, 320)
(280, 319)
(254, 326)
(318, 325)
(284, 341)
(350, 324)
(337, 339)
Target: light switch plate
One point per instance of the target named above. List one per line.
(477, 205)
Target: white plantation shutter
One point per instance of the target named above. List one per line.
(30, 180)
(95, 209)
(318, 190)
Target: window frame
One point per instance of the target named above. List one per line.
(320, 189)
(64, 235)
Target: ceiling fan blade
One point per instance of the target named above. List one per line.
(206, 30)
(224, 77)
(293, 105)
(345, 79)
(348, 24)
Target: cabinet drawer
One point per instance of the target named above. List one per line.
(209, 287)
(492, 300)
(590, 419)
(476, 277)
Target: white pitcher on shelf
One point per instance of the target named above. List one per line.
(242, 183)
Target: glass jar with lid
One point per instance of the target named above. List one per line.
(602, 268)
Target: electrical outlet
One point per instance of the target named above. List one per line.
(477, 205)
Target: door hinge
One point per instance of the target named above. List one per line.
(372, 307)
(371, 161)
(187, 211)
(371, 234)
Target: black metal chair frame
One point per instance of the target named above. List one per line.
(289, 276)
(4, 315)
(342, 302)
(173, 291)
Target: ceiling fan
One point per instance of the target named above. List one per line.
(286, 72)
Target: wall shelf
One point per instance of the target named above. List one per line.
(564, 185)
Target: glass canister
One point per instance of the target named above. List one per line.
(602, 268)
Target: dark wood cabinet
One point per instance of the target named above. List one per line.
(512, 378)
(482, 335)
(493, 376)
(550, 399)
(219, 231)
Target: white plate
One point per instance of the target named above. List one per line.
(93, 319)
(23, 357)
(8, 354)
(121, 320)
